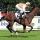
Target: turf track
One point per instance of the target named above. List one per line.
(33, 35)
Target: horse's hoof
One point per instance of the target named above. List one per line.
(17, 33)
(11, 35)
(30, 30)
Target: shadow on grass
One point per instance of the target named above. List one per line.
(15, 36)
(22, 36)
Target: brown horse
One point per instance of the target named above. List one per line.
(25, 21)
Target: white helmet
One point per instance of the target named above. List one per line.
(27, 3)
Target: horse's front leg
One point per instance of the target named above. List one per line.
(9, 28)
(28, 24)
(14, 28)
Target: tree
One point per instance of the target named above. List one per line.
(12, 3)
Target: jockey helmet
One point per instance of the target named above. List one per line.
(27, 3)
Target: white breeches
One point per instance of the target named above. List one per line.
(19, 8)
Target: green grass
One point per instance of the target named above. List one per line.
(33, 35)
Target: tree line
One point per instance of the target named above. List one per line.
(9, 5)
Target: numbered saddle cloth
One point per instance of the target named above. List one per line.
(17, 15)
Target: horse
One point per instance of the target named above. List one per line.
(25, 21)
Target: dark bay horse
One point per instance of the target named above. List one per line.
(25, 21)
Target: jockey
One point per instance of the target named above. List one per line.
(22, 7)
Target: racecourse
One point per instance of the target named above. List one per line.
(6, 35)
